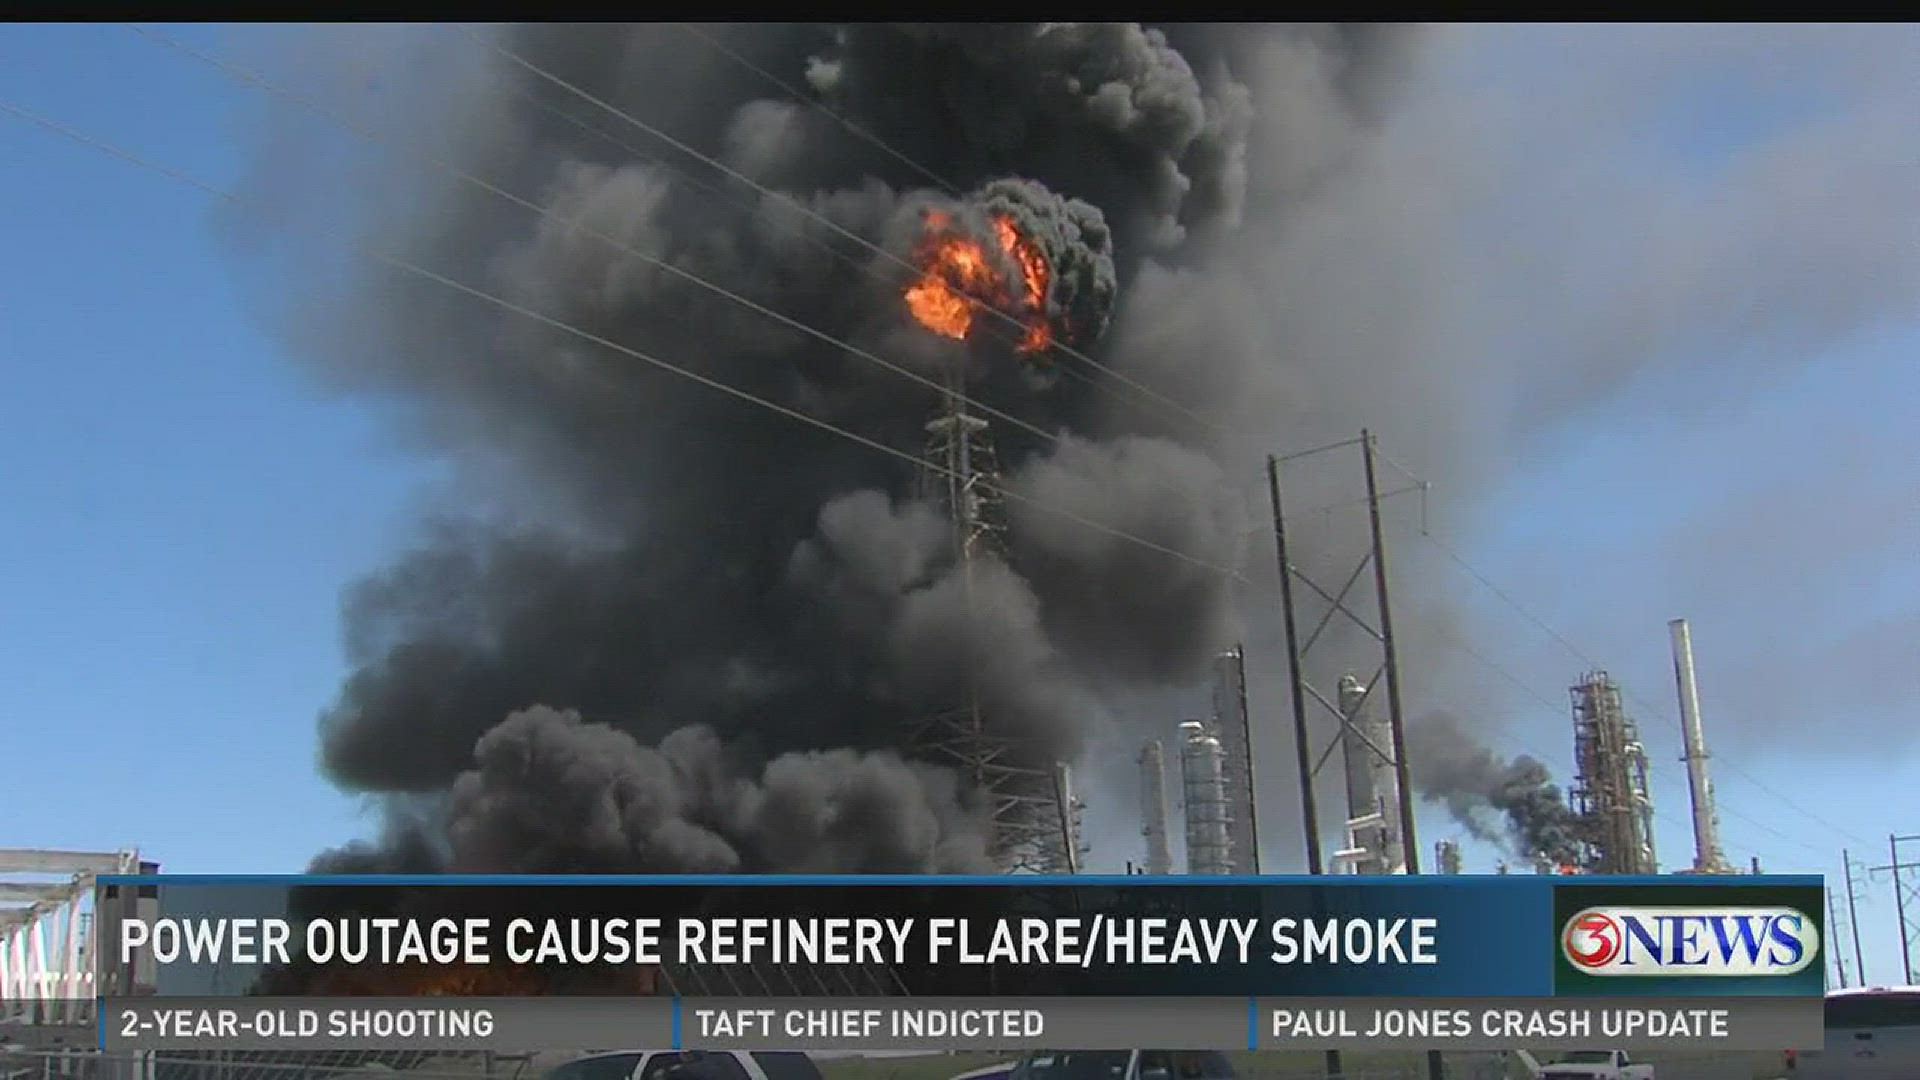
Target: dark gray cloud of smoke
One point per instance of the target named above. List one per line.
(550, 792)
(666, 630)
(1529, 815)
(1292, 231)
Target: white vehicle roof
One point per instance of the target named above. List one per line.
(1854, 991)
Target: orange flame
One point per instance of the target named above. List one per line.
(957, 274)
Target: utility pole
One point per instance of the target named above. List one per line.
(1839, 961)
(1906, 901)
(1380, 631)
(1302, 743)
(1853, 916)
(1303, 747)
(1392, 662)
(1409, 844)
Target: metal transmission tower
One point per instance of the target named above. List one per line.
(1388, 670)
(1034, 819)
(1906, 902)
(1233, 726)
(1362, 691)
(1610, 792)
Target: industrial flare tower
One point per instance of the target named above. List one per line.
(1035, 814)
(1610, 792)
(1708, 856)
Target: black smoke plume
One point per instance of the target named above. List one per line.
(1513, 803)
(658, 628)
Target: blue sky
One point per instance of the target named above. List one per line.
(179, 509)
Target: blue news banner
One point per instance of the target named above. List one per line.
(928, 962)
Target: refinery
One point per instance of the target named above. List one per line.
(1610, 801)
(955, 500)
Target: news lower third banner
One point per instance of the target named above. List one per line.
(739, 962)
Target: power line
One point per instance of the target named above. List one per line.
(820, 107)
(1580, 655)
(723, 193)
(259, 81)
(709, 382)
(801, 208)
(822, 335)
(1459, 560)
(401, 263)
(666, 266)
(1555, 710)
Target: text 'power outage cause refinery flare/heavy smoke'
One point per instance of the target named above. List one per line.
(853, 940)
(1017, 311)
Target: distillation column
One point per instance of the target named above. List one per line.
(1204, 788)
(1373, 787)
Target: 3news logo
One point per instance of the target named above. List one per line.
(1690, 941)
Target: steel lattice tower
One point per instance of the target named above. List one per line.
(1035, 823)
(1610, 792)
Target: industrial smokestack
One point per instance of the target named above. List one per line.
(1153, 801)
(1204, 786)
(1707, 857)
(1067, 808)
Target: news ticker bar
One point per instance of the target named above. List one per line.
(1006, 1024)
(1356, 937)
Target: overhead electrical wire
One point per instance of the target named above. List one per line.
(665, 266)
(1583, 657)
(809, 212)
(407, 265)
(820, 107)
(1453, 555)
(854, 350)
